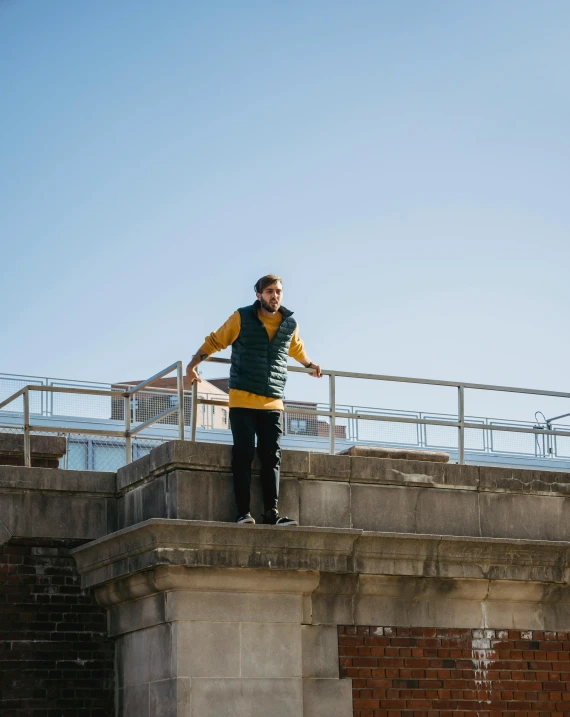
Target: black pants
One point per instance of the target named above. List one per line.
(246, 423)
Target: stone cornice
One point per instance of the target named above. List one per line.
(342, 552)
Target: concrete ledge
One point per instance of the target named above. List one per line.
(410, 454)
(54, 503)
(50, 479)
(199, 544)
(221, 572)
(46, 450)
(208, 544)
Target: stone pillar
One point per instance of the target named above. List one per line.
(216, 619)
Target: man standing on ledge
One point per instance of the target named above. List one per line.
(262, 336)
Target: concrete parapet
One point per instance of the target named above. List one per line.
(192, 481)
(46, 450)
(54, 503)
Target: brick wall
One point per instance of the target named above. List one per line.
(425, 672)
(55, 658)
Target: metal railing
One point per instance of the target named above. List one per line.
(125, 395)
(461, 424)
(336, 415)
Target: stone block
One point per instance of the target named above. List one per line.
(247, 698)
(524, 481)
(517, 615)
(133, 472)
(411, 454)
(327, 698)
(531, 517)
(295, 463)
(320, 651)
(146, 655)
(378, 610)
(234, 606)
(56, 480)
(204, 495)
(133, 701)
(270, 650)
(289, 497)
(332, 610)
(325, 503)
(209, 495)
(208, 649)
(414, 510)
(386, 509)
(44, 449)
(148, 500)
(400, 472)
(137, 614)
(328, 467)
(171, 698)
(38, 514)
(447, 512)
(189, 454)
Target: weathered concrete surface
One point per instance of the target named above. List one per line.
(220, 641)
(46, 451)
(53, 503)
(212, 618)
(345, 576)
(197, 604)
(181, 480)
(404, 454)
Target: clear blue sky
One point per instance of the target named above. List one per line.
(404, 165)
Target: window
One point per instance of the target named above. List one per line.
(224, 417)
(298, 425)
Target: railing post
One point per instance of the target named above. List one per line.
(194, 410)
(332, 404)
(128, 437)
(180, 386)
(461, 419)
(27, 446)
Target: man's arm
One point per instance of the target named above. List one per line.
(297, 351)
(216, 341)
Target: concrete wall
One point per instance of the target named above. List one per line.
(213, 618)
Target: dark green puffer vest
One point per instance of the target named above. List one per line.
(258, 364)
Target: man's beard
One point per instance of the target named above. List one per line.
(268, 307)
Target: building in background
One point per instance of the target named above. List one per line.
(162, 396)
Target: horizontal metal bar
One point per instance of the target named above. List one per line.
(425, 381)
(375, 417)
(86, 391)
(150, 421)
(516, 429)
(211, 402)
(12, 397)
(87, 432)
(148, 381)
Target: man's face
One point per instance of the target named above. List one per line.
(270, 297)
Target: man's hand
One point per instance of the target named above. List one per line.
(192, 374)
(316, 372)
